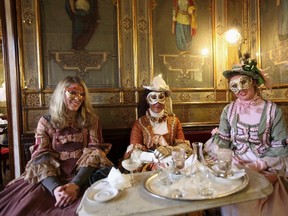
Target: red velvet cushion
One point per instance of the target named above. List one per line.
(4, 150)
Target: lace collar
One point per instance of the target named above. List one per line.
(155, 117)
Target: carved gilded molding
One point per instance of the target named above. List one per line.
(81, 62)
(197, 97)
(32, 100)
(189, 66)
(28, 17)
(136, 63)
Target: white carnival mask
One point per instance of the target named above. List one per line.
(156, 97)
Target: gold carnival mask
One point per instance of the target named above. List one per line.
(74, 92)
(243, 82)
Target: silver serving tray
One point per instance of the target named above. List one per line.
(222, 187)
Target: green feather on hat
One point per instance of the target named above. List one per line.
(249, 69)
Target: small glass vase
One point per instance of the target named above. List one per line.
(198, 152)
(203, 178)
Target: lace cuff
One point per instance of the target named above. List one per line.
(93, 158)
(36, 172)
(105, 147)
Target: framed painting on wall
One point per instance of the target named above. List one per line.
(79, 38)
(183, 42)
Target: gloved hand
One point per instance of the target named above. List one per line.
(147, 157)
(162, 152)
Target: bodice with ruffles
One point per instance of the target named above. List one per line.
(62, 152)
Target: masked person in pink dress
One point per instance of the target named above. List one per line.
(256, 131)
(68, 149)
(155, 134)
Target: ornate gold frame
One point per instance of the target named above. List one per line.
(118, 107)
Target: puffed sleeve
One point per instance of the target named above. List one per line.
(44, 160)
(136, 135)
(222, 137)
(278, 135)
(179, 130)
(136, 141)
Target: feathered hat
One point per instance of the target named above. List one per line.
(159, 85)
(249, 69)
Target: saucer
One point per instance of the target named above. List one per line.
(100, 184)
(236, 173)
(101, 194)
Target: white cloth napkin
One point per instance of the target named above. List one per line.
(147, 157)
(192, 165)
(118, 180)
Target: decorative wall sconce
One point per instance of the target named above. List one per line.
(233, 37)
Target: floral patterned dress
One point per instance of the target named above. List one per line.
(58, 153)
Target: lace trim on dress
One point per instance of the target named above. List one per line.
(159, 119)
(149, 138)
(245, 136)
(265, 140)
(65, 155)
(243, 105)
(78, 137)
(35, 173)
(94, 158)
(225, 137)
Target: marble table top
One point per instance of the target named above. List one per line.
(137, 201)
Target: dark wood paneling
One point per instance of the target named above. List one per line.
(120, 139)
